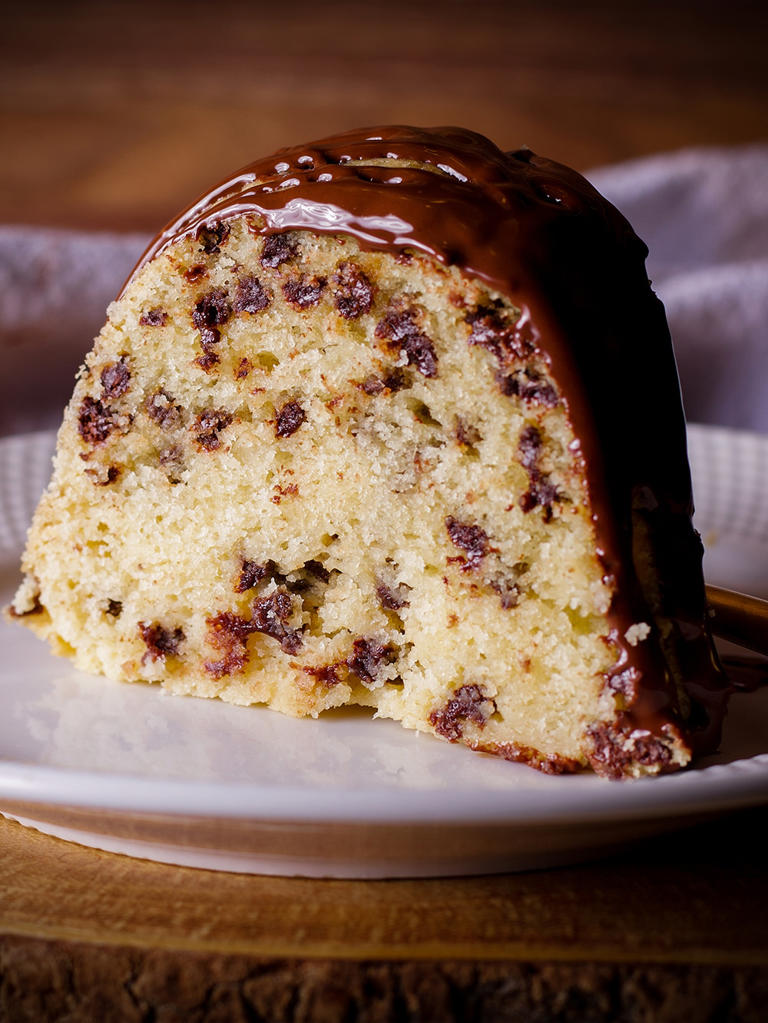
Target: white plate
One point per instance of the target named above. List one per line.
(129, 769)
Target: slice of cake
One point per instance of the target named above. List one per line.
(391, 419)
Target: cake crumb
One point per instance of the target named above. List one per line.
(637, 633)
(27, 599)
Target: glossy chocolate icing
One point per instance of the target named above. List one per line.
(538, 233)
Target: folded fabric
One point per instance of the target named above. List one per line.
(54, 289)
(703, 214)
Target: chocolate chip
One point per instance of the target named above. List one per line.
(233, 625)
(212, 310)
(372, 385)
(196, 272)
(541, 494)
(95, 421)
(289, 419)
(529, 446)
(303, 291)
(541, 491)
(243, 368)
(391, 599)
(270, 615)
(251, 573)
(468, 703)
(212, 237)
(354, 293)
(228, 632)
(366, 658)
(161, 409)
(209, 336)
(114, 608)
(399, 326)
(154, 318)
(491, 329)
(172, 460)
(328, 674)
(530, 386)
(616, 748)
(470, 538)
(254, 572)
(315, 570)
(508, 591)
(625, 682)
(395, 380)
(160, 642)
(207, 426)
(250, 296)
(278, 249)
(210, 357)
(209, 314)
(421, 354)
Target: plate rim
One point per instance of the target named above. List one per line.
(567, 799)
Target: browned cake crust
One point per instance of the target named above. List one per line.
(449, 287)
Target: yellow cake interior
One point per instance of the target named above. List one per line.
(300, 474)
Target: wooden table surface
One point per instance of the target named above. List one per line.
(673, 930)
(116, 114)
(113, 116)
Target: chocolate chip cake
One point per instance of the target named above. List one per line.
(391, 419)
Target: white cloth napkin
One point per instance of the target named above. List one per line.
(703, 214)
(55, 287)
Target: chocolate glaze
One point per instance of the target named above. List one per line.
(537, 232)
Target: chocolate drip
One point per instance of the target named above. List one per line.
(538, 233)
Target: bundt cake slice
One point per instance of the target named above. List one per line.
(391, 420)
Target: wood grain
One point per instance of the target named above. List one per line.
(74, 982)
(672, 931)
(119, 114)
(695, 898)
